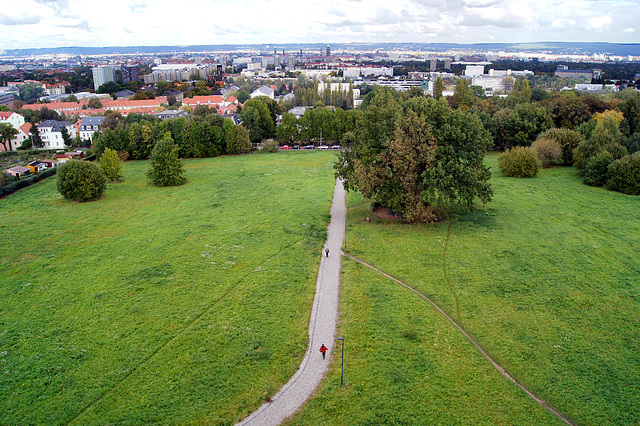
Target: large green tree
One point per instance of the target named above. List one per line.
(111, 164)
(438, 88)
(7, 133)
(430, 161)
(166, 168)
(258, 120)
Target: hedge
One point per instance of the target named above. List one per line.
(12, 187)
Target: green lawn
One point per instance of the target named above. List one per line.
(160, 305)
(546, 278)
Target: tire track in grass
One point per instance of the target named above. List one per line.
(497, 366)
(182, 331)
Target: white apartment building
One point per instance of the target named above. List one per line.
(102, 75)
(50, 132)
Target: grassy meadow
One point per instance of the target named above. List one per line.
(545, 277)
(160, 305)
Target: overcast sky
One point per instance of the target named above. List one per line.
(61, 23)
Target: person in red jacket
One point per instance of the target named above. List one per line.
(323, 349)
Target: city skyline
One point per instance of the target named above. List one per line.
(61, 23)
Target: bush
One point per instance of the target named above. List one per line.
(548, 150)
(270, 146)
(81, 180)
(599, 142)
(111, 164)
(520, 162)
(632, 143)
(624, 175)
(567, 139)
(166, 168)
(596, 170)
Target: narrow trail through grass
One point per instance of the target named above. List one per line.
(463, 331)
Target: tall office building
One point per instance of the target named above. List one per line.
(102, 75)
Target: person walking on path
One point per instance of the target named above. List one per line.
(326, 252)
(323, 349)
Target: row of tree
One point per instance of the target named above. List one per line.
(196, 137)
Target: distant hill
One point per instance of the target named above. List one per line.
(550, 47)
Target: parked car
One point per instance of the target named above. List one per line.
(336, 147)
(323, 147)
(285, 147)
(295, 147)
(309, 147)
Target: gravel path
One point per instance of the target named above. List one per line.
(322, 327)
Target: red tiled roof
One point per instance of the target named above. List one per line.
(204, 100)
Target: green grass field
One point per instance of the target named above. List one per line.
(546, 278)
(160, 305)
(190, 305)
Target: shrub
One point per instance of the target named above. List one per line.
(600, 141)
(166, 168)
(632, 143)
(520, 162)
(624, 175)
(270, 146)
(81, 180)
(111, 164)
(567, 139)
(596, 170)
(548, 150)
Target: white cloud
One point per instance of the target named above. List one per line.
(142, 22)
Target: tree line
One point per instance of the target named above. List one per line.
(195, 137)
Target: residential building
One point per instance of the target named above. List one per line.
(50, 132)
(263, 91)
(357, 72)
(474, 70)
(16, 121)
(595, 88)
(55, 89)
(564, 72)
(124, 94)
(129, 74)
(12, 118)
(181, 72)
(171, 113)
(88, 126)
(7, 97)
(102, 75)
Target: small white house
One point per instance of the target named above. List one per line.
(50, 132)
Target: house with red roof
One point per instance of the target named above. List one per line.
(16, 121)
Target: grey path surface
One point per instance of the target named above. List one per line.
(322, 327)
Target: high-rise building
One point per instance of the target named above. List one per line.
(447, 64)
(130, 74)
(433, 64)
(102, 75)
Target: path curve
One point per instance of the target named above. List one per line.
(322, 327)
(471, 339)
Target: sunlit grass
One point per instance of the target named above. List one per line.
(545, 278)
(160, 305)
